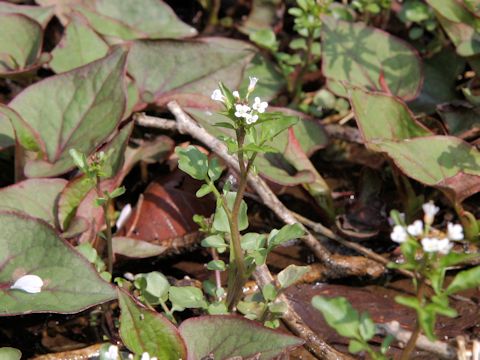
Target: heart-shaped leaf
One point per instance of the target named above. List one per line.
(139, 19)
(228, 336)
(165, 69)
(31, 247)
(368, 57)
(459, 24)
(75, 110)
(35, 197)
(79, 46)
(62, 8)
(143, 330)
(383, 117)
(21, 41)
(441, 74)
(445, 162)
(38, 13)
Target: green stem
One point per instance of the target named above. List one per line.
(416, 332)
(168, 312)
(108, 223)
(303, 70)
(237, 272)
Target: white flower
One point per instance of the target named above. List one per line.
(435, 245)
(250, 118)
(444, 246)
(236, 95)
(146, 356)
(454, 231)
(259, 105)
(112, 353)
(124, 216)
(399, 234)
(218, 96)
(29, 283)
(129, 276)
(430, 211)
(416, 229)
(252, 84)
(242, 111)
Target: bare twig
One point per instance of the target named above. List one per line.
(313, 342)
(346, 133)
(337, 265)
(322, 230)
(155, 122)
(441, 349)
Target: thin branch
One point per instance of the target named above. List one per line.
(439, 348)
(295, 323)
(155, 122)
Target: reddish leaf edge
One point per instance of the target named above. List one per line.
(74, 252)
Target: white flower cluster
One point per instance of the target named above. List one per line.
(242, 109)
(430, 244)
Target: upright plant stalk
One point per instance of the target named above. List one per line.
(108, 231)
(308, 59)
(410, 346)
(237, 272)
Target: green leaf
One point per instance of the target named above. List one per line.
(41, 14)
(362, 55)
(186, 297)
(408, 301)
(135, 248)
(215, 169)
(119, 191)
(286, 233)
(71, 197)
(79, 46)
(265, 38)
(227, 336)
(460, 25)
(355, 346)
(366, 327)
(426, 317)
(187, 70)
(214, 241)
(21, 41)
(439, 86)
(216, 265)
(141, 19)
(34, 197)
(157, 285)
(30, 246)
(205, 189)
(464, 280)
(253, 241)
(217, 309)
(192, 161)
(9, 353)
(445, 162)
(339, 314)
(269, 292)
(73, 102)
(291, 274)
(370, 109)
(143, 330)
(220, 220)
